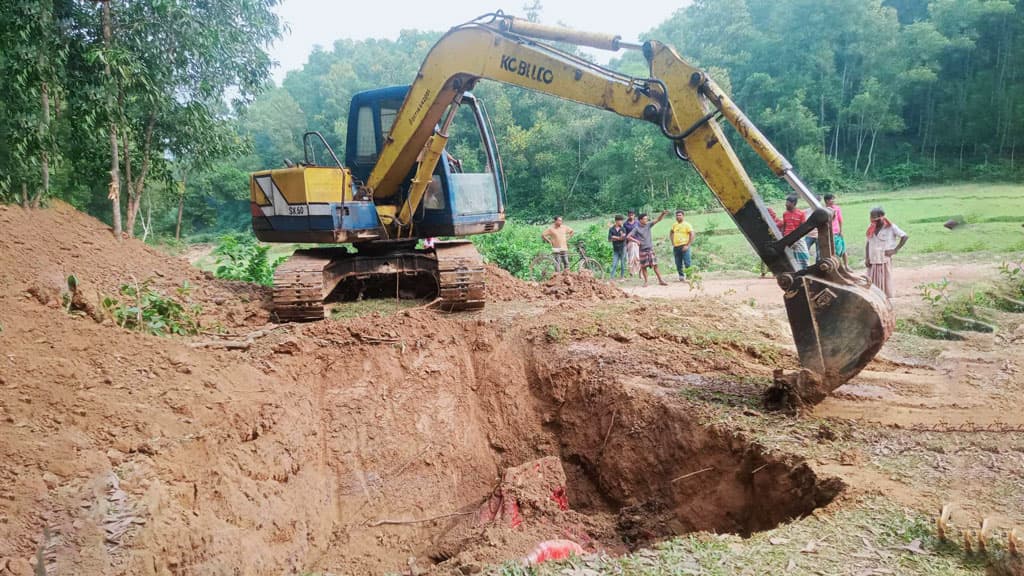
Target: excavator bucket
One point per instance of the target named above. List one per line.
(839, 323)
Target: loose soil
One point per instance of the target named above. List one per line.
(410, 442)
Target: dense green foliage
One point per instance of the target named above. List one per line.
(515, 246)
(106, 101)
(853, 92)
(240, 257)
(856, 91)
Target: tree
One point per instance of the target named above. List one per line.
(32, 54)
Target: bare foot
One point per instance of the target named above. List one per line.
(662, 283)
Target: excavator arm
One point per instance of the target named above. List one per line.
(839, 321)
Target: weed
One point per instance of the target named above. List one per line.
(554, 333)
(1012, 274)
(142, 308)
(240, 257)
(382, 306)
(694, 278)
(66, 298)
(951, 311)
(935, 293)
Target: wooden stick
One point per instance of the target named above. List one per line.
(428, 304)
(609, 432)
(419, 521)
(372, 339)
(758, 469)
(684, 476)
(228, 345)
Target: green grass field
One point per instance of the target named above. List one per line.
(994, 214)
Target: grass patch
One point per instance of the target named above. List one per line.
(370, 306)
(872, 537)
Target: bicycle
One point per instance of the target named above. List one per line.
(543, 266)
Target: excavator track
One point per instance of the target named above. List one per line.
(304, 282)
(460, 273)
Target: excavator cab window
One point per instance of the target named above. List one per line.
(472, 161)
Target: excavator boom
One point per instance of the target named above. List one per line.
(839, 321)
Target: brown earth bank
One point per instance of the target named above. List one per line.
(414, 442)
(364, 446)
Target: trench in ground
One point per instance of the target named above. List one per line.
(639, 466)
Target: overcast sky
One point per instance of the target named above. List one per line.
(322, 22)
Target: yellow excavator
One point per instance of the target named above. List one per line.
(399, 184)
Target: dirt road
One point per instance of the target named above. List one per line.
(764, 292)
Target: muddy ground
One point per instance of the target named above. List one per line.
(399, 440)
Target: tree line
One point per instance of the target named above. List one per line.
(104, 102)
(854, 92)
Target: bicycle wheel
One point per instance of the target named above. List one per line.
(542, 267)
(593, 266)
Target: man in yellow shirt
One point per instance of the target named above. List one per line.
(681, 236)
(558, 236)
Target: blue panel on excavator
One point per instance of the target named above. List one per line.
(352, 216)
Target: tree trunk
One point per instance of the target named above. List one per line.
(126, 153)
(181, 208)
(114, 191)
(871, 151)
(861, 136)
(44, 156)
(136, 189)
(147, 220)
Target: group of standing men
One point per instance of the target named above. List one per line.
(632, 241)
(884, 240)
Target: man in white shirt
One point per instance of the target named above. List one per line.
(885, 239)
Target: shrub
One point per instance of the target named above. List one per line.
(142, 308)
(512, 248)
(904, 174)
(240, 257)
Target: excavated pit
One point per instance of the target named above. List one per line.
(633, 463)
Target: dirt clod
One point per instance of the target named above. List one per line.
(791, 391)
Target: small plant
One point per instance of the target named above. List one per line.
(935, 293)
(142, 308)
(1012, 274)
(68, 297)
(694, 278)
(240, 257)
(553, 333)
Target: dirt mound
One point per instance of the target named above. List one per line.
(41, 248)
(572, 285)
(504, 287)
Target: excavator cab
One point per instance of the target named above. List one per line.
(466, 193)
